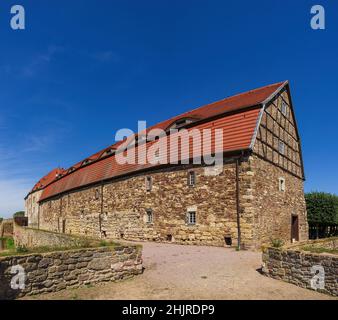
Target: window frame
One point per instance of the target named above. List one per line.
(191, 178)
(149, 183)
(150, 215)
(281, 184)
(192, 213)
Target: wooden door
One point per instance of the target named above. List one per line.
(294, 228)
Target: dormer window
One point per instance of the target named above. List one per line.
(85, 162)
(181, 123)
(108, 152)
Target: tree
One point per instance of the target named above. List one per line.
(19, 214)
(322, 210)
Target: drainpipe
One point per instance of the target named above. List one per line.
(238, 205)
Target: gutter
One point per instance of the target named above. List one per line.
(238, 160)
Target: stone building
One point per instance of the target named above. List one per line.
(255, 197)
(32, 208)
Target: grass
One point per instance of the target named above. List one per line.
(8, 243)
(12, 251)
(319, 249)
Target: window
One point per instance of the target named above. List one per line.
(191, 178)
(149, 183)
(281, 147)
(191, 217)
(284, 108)
(281, 184)
(157, 155)
(149, 216)
(97, 194)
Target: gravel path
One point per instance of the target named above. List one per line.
(193, 272)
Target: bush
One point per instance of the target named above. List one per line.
(277, 243)
(19, 214)
(21, 249)
(1, 219)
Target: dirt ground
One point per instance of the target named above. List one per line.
(193, 272)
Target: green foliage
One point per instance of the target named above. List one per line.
(21, 249)
(320, 249)
(277, 243)
(322, 208)
(19, 214)
(10, 244)
(1, 219)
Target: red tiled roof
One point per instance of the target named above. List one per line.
(238, 128)
(47, 179)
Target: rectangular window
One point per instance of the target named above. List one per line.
(191, 217)
(191, 178)
(281, 147)
(281, 184)
(284, 108)
(149, 183)
(97, 194)
(149, 216)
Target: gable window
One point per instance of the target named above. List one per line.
(281, 184)
(281, 147)
(149, 216)
(149, 183)
(191, 178)
(284, 108)
(191, 217)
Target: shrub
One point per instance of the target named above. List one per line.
(277, 243)
(1, 219)
(21, 249)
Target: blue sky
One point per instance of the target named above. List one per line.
(81, 70)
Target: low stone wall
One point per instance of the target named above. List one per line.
(33, 238)
(54, 271)
(302, 268)
(6, 228)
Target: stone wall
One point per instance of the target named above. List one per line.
(295, 266)
(118, 209)
(34, 238)
(50, 272)
(6, 228)
(272, 208)
(32, 208)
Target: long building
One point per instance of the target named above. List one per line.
(256, 196)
